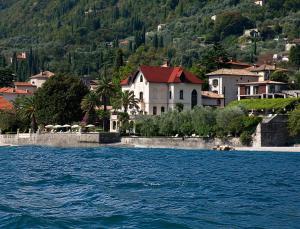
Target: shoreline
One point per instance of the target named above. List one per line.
(286, 149)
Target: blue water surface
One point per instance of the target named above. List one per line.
(147, 188)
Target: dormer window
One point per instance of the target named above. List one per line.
(141, 79)
(215, 82)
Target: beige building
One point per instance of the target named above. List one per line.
(225, 82)
(25, 86)
(39, 79)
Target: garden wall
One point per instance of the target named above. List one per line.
(61, 139)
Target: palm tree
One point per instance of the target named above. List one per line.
(27, 109)
(105, 90)
(129, 101)
(88, 105)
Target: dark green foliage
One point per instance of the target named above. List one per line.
(7, 121)
(295, 56)
(246, 138)
(279, 76)
(6, 77)
(58, 101)
(294, 122)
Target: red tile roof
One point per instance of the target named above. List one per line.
(154, 74)
(237, 63)
(10, 90)
(27, 84)
(4, 104)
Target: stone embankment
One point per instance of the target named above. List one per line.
(187, 143)
(61, 139)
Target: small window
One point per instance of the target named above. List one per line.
(215, 83)
(141, 96)
(162, 110)
(247, 90)
(141, 79)
(170, 94)
(255, 90)
(114, 125)
(181, 94)
(154, 110)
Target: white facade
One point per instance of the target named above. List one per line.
(157, 98)
(227, 85)
(38, 82)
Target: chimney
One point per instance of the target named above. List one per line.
(166, 64)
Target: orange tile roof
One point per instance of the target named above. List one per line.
(232, 72)
(211, 95)
(45, 74)
(4, 104)
(10, 90)
(27, 84)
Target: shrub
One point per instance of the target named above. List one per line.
(246, 138)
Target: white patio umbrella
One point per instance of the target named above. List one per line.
(49, 127)
(90, 126)
(66, 126)
(58, 126)
(75, 126)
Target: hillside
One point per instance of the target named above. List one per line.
(83, 37)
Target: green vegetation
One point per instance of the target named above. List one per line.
(278, 105)
(83, 37)
(201, 121)
(58, 101)
(294, 122)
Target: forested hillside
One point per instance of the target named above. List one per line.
(84, 37)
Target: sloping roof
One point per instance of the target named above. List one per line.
(262, 82)
(45, 74)
(155, 74)
(10, 90)
(232, 72)
(211, 95)
(237, 63)
(4, 104)
(265, 67)
(27, 84)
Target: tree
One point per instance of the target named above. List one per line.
(58, 101)
(6, 77)
(231, 23)
(279, 76)
(295, 55)
(26, 108)
(119, 59)
(7, 120)
(294, 122)
(128, 100)
(105, 90)
(89, 104)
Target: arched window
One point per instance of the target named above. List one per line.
(170, 94)
(141, 96)
(181, 94)
(162, 110)
(215, 82)
(154, 110)
(141, 78)
(114, 125)
(194, 99)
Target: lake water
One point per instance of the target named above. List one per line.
(147, 188)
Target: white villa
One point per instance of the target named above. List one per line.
(159, 89)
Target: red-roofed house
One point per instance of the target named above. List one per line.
(160, 88)
(11, 94)
(4, 104)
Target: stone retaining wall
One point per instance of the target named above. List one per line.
(190, 143)
(61, 139)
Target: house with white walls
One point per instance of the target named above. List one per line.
(39, 79)
(225, 82)
(160, 88)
